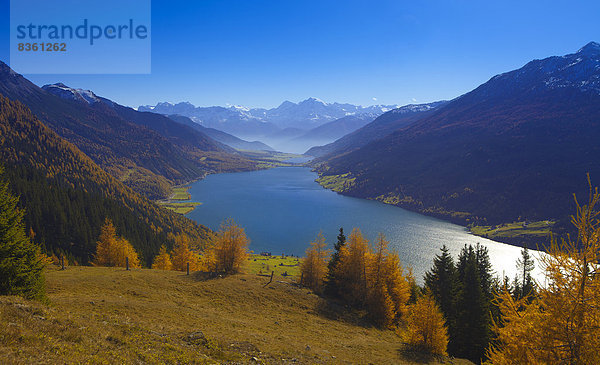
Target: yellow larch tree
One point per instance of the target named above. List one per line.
(127, 252)
(208, 261)
(183, 255)
(379, 302)
(425, 326)
(106, 244)
(112, 250)
(351, 271)
(398, 285)
(562, 324)
(388, 289)
(162, 261)
(314, 266)
(228, 250)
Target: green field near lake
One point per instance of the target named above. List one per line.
(180, 207)
(514, 230)
(287, 267)
(181, 193)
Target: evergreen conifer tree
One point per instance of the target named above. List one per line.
(441, 282)
(470, 334)
(525, 265)
(21, 266)
(484, 269)
(330, 285)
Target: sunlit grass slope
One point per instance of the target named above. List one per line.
(108, 315)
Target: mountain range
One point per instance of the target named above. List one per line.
(515, 148)
(291, 127)
(147, 151)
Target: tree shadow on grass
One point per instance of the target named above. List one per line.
(419, 355)
(335, 310)
(204, 275)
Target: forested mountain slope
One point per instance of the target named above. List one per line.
(515, 148)
(380, 127)
(67, 196)
(142, 152)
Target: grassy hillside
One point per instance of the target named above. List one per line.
(107, 315)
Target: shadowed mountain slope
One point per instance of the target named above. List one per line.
(517, 147)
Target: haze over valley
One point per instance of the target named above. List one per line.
(291, 127)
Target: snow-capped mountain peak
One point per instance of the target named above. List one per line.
(416, 108)
(590, 48)
(240, 108)
(312, 100)
(576, 71)
(304, 115)
(66, 92)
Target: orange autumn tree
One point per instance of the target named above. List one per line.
(183, 255)
(127, 252)
(351, 271)
(388, 290)
(561, 325)
(228, 249)
(112, 250)
(425, 326)
(162, 261)
(314, 265)
(372, 279)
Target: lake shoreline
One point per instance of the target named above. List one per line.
(264, 160)
(531, 241)
(283, 209)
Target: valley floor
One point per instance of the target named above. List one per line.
(109, 315)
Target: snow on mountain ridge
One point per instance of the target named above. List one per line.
(590, 48)
(413, 108)
(580, 71)
(306, 114)
(66, 92)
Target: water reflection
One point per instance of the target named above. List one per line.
(283, 209)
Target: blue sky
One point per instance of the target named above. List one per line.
(260, 53)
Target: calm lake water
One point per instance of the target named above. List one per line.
(284, 209)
